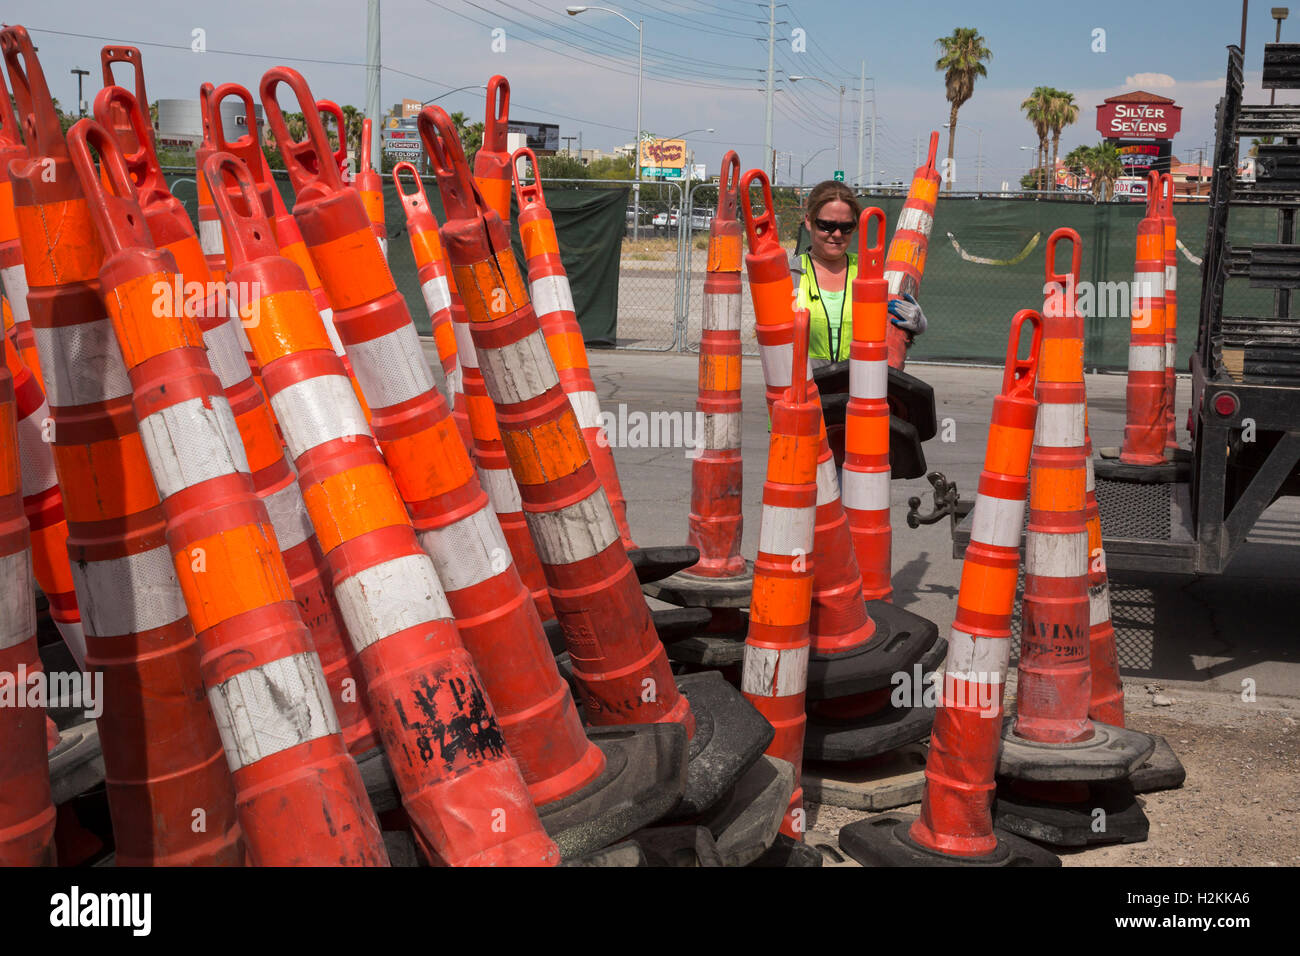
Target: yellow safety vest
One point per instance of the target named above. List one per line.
(824, 342)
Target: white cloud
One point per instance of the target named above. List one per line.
(1149, 79)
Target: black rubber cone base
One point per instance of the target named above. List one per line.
(76, 762)
(787, 851)
(627, 853)
(671, 624)
(838, 741)
(1112, 469)
(694, 590)
(655, 564)
(683, 846)
(1112, 753)
(746, 821)
(901, 640)
(644, 778)
(885, 841)
(730, 735)
(710, 650)
(1161, 771)
(1109, 815)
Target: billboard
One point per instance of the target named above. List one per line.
(542, 137)
(1133, 187)
(663, 154)
(1139, 120)
(410, 108)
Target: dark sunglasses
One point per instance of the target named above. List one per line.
(830, 227)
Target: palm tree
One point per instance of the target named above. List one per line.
(1104, 166)
(1037, 106)
(1062, 112)
(962, 61)
(1257, 142)
(1076, 162)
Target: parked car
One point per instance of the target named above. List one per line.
(701, 219)
(666, 220)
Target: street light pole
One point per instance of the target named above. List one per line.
(979, 153)
(804, 165)
(839, 124)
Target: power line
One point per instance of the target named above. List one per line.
(188, 49)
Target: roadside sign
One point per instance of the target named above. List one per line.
(839, 175)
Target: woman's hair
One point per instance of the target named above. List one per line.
(830, 191)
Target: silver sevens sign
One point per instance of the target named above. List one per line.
(1138, 120)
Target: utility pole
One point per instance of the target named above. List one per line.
(873, 128)
(768, 156)
(81, 104)
(372, 79)
(862, 105)
(568, 150)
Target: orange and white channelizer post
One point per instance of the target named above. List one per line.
(1106, 698)
(26, 810)
(370, 186)
(956, 815)
(905, 263)
(548, 288)
(431, 268)
(210, 238)
(619, 663)
(421, 671)
(1171, 310)
(162, 752)
(12, 276)
(300, 796)
(492, 161)
(1144, 426)
(866, 476)
(774, 677)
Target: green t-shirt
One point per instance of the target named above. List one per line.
(834, 302)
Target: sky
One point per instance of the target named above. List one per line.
(705, 66)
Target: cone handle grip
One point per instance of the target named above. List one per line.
(1166, 194)
(496, 128)
(117, 214)
(248, 234)
(124, 54)
(40, 123)
(1076, 257)
(414, 200)
(304, 159)
(461, 199)
(11, 134)
(799, 371)
(728, 184)
(143, 163)
(224, 92)
(871, 259)
(760, 229)
(1021, 374)
(341, 154)
(532, 193)
(934, 151)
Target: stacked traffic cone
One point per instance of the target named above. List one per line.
(248, 148)
(431, 268)
(210, 238)
(905, 264)
(1052, 738)
(1142, 456)
(956, 826)
(617, 660)
(492, 160)
(775, 675)
(162, 753)
(1170, 223)
(369, 185)
(120, 123)
(26, 809)
(854, 656)
(330, 108)
(722, 580)
(12, 275)
(273, 477)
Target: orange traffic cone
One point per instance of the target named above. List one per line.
(1170, 225)
(369, 186)
(492, 161)
(905, 264)
(12, 275)
(120, 123)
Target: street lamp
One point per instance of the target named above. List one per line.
(640, 76)
(979, 152)
(839, 124)
(1279, 14)
(804, 164)
(458, 89)
(689, 175)
(81, 109)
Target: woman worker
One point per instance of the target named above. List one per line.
(824, 275)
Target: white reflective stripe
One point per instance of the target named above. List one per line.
(75, 637)
(189, 443)
(390, 597)
(979, 660)
(997, 521)
(465, 351)
(210, 237)
(327, 320)
(586, 407)
(81, 363)
(778, 364)
(128, 595)
(391, 368)
(900, 282)
(17, 600)
(437, 295)
(574, 533)
(317, 410)
(1099, 603)
(775, 672)
(828, 482)
(519, 371)
(915, 219)
(15, 283)
(1090, 483)
(868, 379)
(720, 431)
(226, 354)
(1146, 358)
(1059, 425)
(551, 294)
(1170, 354)
(383, 246)
(34, 453)
(721, 312)
(1148, 285)
(502, 490)
(455, 383)
(288, 514)
(265, 710)
(786, 531)
(1171, 279)
(866, 490)
(468, 551)
(1056, 555)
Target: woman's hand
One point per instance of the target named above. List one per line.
(907, 315)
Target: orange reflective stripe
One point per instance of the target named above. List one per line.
(190, 261)
(904, 250)
(122, 485)
(50, 557)
(1151, 245)
(231, 583)
(352, 502)
(790, 462)
(373, 203)
(444, 336)
(8, 221)
(64, 234)
(409, 459)
(725, 254)
(567, 350)
(782, 602)
(986, 589)
(352, 269)
(773, 302)
(491, 289)
(425, 247)
(285, 322)
(10, 473)
(719, 372)
(1060, 360)
(142, 332)
(867, 435)
(261, 444)
(496, 192)
(482, 417)
(296, 252)
(1057, 489)
(538, 236)
(1008, 449)
(550, 450)
(926, 190)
